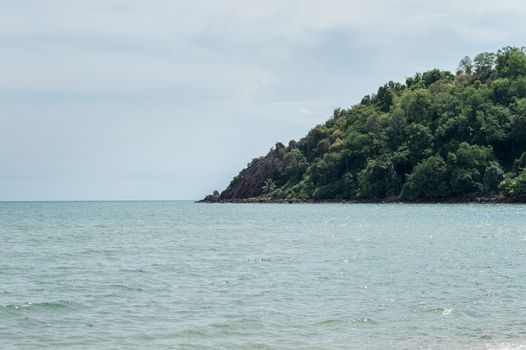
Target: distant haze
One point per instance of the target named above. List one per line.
(170, 99)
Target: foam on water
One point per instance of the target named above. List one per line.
(507, 346)
(164, 275)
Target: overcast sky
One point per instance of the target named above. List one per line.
(158, 99)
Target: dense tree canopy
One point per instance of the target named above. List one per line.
(439, 135)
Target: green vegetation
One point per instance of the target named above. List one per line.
(438, 136)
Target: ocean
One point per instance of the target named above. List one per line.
(182, 275)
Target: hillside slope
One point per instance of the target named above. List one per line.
(440, 136)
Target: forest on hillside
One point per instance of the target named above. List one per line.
(439, 135)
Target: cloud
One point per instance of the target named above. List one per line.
(234, 46)
(169, 99)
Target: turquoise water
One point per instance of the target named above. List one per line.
(179, 275)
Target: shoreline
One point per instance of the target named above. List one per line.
(473, 200)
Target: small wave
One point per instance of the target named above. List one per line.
(194, 333)
(364, 320)
(507, 346)
(125, 287)
(133, 270)
(222, 326)
(331, 322)
(37, 305)
(443, 310)
(446, 311)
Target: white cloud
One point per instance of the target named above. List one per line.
(228, 45)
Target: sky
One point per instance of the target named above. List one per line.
(158, 99)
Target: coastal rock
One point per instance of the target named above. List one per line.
(211, 198)
(250, 180)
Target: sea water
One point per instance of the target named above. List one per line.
(181, 275)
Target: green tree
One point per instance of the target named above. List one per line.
(467, 166)
(429, 180)
(378, 179)
(268, 186)
(385, 98)
(419, 142)
(519, 164)
(495, 123)
(515, 187)
(484, 64)
(465, 66)
(518, 126)
(511, 62)
(349, 185)
(416, 105)
(295, 164)
(493, 176)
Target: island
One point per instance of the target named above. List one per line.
(440, 137)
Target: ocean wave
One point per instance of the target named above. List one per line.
(507, 346)
(66, 304)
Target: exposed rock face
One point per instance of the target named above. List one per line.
(214, 197)
(250, 180)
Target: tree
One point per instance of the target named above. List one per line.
(378, 179)
(434, 75)
(484, 64)
(349, 186)
(269, 186)
(515, 187)
(495, 122)
(419, 142)
(465, 66)
(429, 180)
(493, 176)
(518, 125)
(416, 105)
(519, 164)
(511, 62)
(294, 164)
(385, 98)
(467, 166)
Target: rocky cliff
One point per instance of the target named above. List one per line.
(250, 181)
